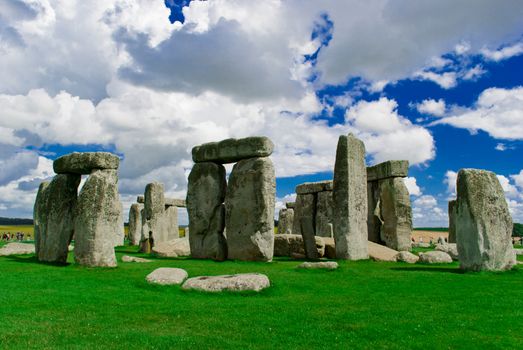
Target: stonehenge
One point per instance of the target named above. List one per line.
(153, 219)
(93, 217)
(482, 222)
(314, 201)
(232, 220)
(389, 218)
(349, 196)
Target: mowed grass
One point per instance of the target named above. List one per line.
(363, 305)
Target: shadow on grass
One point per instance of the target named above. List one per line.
(31, 259)
(429, 269)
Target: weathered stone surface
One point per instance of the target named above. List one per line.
(330, 247)
(167, 276)
(483, 222)
(290, 205)
(374, 220)
(285, 221)
(171, 222)
(135, 223)
(175, 202)
(54, 217)
(85, 162)
(127, 258)
(119, 228)
(309, 242)
(407, 257)
(434, 257)
(305, 208)
(326, 265)
(314, 187)
(97, 211)
(232, 283)
(385, 170)
(380, 252)
(205, 196)
(452, 221)
(173, 248)
(155, 226)
(249, 210)
(140, 199)
(449, 248)
(350, 199)
(396, 214)
(518, 251)
(17, 249)
(289, 244)
(324, 214)
(233, 150)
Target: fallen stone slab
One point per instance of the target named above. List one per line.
(173, 248)
(17, 249)
(233, 150)
(434, 257)
(85, 162)
(449, 248)
(408, 257)
(289, 244)
(128, 258)
(232, 283)
(378, 252)
(385, 170)
(314, 187)
(175, 202)
(330, 247)
(421, 245)
(167, 276)
(518, 251)
(327, 265)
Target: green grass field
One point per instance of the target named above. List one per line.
(363, 305)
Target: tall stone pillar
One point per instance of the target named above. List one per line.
(452, 221)
(350, 199)
(135, 223)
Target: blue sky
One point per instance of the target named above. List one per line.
(437, 83)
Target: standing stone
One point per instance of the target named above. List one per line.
(350, 199)
(40, 214)
(309, 241)
(249, 208)
(135, 223)
(374, 220)
(119, 228)
(205, 196)
(285, 221)
(97, 210)
(171, 219)
(452, 221)
(58, 206)
(155, 216)
(305, 207)
(483, 223)
(396, 214)
(324, 214)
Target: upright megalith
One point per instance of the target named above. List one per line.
(285, 220)
(97, 212)
(389, 219)
(56, 202)
(171, 222)
(483, 222)
(305, 207)
(249, 210)
(135, 223)
(350, 199)
(154, 228)
(323, 220)
(205, 196)
(396, 214)
(452, 221)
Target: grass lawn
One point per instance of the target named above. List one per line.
(362, 305)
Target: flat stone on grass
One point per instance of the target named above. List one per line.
(167, 276)
(326, 265)
(407, 257)
(17, 249)
(128, 258)
(435, 257)
(232, 283)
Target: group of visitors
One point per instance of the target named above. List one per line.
(18, 236)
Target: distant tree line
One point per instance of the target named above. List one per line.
(15, 221)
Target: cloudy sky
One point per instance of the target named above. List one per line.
(439, 83)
